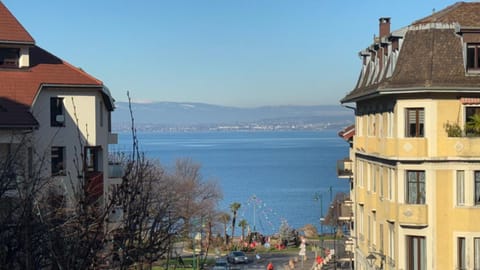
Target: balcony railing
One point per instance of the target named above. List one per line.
(115, 170)
(344, 168)
(95, 185)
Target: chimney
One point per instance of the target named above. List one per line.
(384, 27)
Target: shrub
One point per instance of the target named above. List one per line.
(453, 130)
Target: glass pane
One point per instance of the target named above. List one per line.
(477, 64)
(415, 253)
(421, 195)
(423, 255)
(412, 193)
(470, 57)
(461, 253)
(421, 187)
(477, 187)
(476, 262)
(460, 187)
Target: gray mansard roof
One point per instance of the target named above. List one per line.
(430, 57)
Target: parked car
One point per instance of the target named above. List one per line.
(221, 264)
(237, 257)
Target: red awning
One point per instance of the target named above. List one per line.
(470, 100)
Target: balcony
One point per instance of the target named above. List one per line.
(460, 146)
(112, 138)
(360, 196)
(94, 185)
(115, 170)
(390, 211)
(413, 215)
(344, 168)
(372, 199)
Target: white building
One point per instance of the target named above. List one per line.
(60, 113)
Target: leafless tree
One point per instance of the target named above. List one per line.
(44, 226)
(20, 183)
(159, 206)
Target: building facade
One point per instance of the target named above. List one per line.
(54, 117)
(415, 153)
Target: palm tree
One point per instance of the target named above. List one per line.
(243, 224)
(234, 208)
(225, 219)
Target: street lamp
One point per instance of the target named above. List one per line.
(371, 258)
(319, 197)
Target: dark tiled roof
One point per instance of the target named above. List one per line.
(15, 116)
(463, 13)
(430, 57)
(11, 30)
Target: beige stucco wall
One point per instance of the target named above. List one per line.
(82, 127)
(439, 156)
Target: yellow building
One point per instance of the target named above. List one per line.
(415, 156)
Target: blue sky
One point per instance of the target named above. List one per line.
(228, 52)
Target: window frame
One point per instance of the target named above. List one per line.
(460, 187)
(472, 67)
(391, 240)
(58, 165)
(9, 54)
(57, 108)
(418, 182)
(461, 253)
(92, 158)
(416, 260)
(419, 122)
(476, 188)
(476, 253)
(470, 110)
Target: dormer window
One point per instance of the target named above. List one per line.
(473, 57)
(9, 57)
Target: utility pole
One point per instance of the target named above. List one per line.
(254, 205)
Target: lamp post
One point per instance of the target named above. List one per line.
(372, 257)
(335, 247)
(319, 197)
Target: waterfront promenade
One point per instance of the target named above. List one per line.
(281, 260)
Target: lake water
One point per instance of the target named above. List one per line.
(273, 175)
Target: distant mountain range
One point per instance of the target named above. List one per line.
(185, 115)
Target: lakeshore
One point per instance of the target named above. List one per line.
(275, 176)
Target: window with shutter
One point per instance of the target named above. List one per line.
(415, 120)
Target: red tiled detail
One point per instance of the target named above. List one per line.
(469, 100)
(347, 133)
(19, 87)
(22, 85)
(11, 30)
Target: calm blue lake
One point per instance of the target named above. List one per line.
(274, 175)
